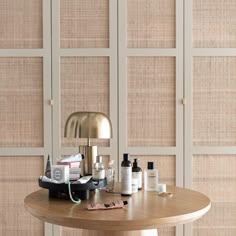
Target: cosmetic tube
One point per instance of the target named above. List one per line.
(107, 206)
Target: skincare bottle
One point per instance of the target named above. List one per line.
(110, 175)
(98, 169)
(150, 177)
(137, 173)
(126, 176)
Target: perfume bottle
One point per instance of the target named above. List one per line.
(126, 176)
(150, 177)
(98, 169)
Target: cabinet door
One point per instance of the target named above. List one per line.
(150, 87)
(84, 69)
(210, 117)
(25, 117)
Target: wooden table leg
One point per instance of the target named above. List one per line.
(148, 232)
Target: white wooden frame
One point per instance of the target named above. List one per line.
(177, 52)
(45, 53)
(58, 52)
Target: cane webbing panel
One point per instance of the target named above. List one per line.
(21, 24)
(18, 178)
(214, 23)
(215, 176)
(21, 102)
(214, 96)
(151, 101)
(84, 87)
(151, 24)
(84, 23)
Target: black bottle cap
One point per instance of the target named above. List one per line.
(135, 164)
(126, 156)
(150, 165)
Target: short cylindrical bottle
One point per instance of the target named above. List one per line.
(150, 177)
(98, 169)
(137, 173)
(126, 176)
(110, 175)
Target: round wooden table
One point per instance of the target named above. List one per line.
(145, 212)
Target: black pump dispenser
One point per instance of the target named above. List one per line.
(137, 173)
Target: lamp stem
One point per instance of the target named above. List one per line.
(88, 141)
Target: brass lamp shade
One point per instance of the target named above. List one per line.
(88, 125)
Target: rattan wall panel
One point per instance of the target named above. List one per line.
(151, 101)
(18, 178)
(214, 96)
(214, 23)
(151, 24)
(215, 176)
(84, 23)
(84, 87)
(21, 24)
(21, 102)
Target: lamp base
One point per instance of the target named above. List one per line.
(90, 153)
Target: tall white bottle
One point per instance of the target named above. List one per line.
(126, 176)
(150, 177)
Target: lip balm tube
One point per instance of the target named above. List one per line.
(107, 206)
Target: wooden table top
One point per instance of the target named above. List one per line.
(145, 210)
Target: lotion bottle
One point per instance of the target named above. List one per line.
(126, 176)
(150, 177)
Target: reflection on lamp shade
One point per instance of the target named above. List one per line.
(88, 125)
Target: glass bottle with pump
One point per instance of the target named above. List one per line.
(126, 176)
(137, 173)
(110, 175)
(98, 169)
(150, 177)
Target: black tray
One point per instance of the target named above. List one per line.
(78, 190)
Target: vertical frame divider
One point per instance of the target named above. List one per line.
(56, 118)
(188, 96)
(47, 88)
(47, 78)
(122, 15)
(179, 4)
(113, 82)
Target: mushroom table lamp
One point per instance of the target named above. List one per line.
(88, 125)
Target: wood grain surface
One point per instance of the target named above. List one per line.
(145, 210)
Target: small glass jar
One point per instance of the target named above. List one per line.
(98, 169)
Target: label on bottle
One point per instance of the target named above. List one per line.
(126, 180)
(134, 185)
(138, 175)
(98, 174)
(150, 180)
